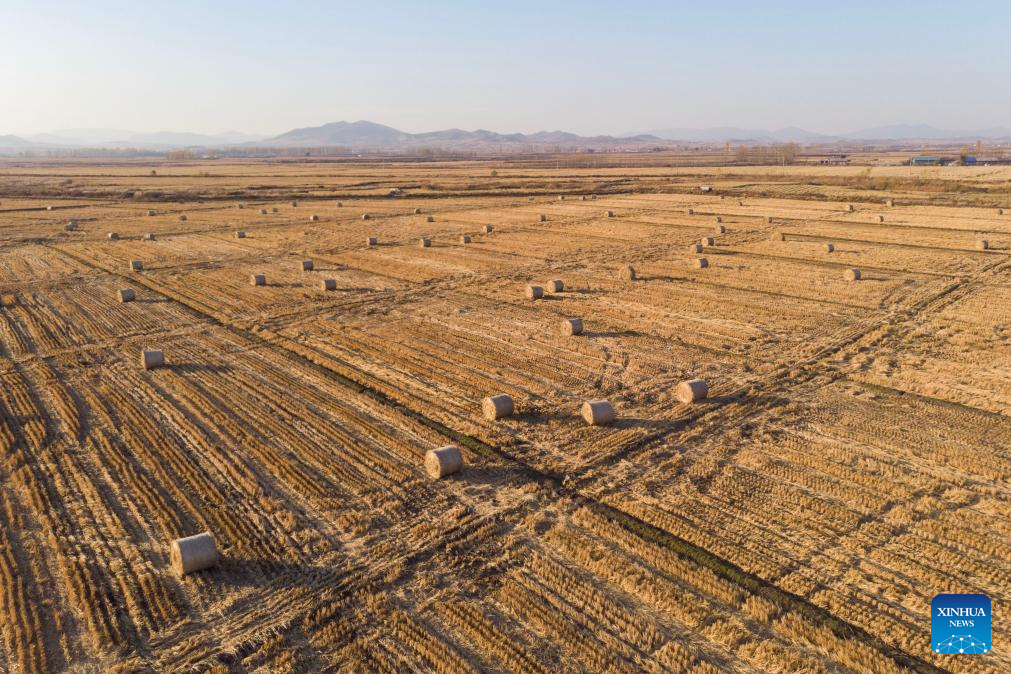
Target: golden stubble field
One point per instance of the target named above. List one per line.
(851, 461)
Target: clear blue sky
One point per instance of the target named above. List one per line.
(588, 67)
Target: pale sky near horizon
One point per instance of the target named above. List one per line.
(586, 67)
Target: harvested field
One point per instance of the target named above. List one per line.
(850, 461)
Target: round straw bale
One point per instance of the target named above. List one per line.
(572, 326)
(701, 262)
(852, 274)
(708, 241)
(719, 219)
(556, 286)
(182, 218)
(307, 265)
(593, 197)
(263, 211)
(561, 197)
(542, 217)
(982, 244)
(598, 412)
(424, 243)
(150, 211)
(193, 553)
(126, 295)
(582, 198)
(430, 218)
(136, 265)
(881, 218)
(49, 208)
(273, 209)
(829, 247)
(890, 203)
(240, 234)
(488, 229)
(443, 461)
(849, 208)
(779, 236)
(417, 211)
(371, 241)
(465, 238)
(1000, 211)
(695, 248)
(720, 229)
(112, 236)
(151, 358)
(609, 214)
(149, 237)
(691, 390)
(768, 219)
(258, 280)
(329, 284)
(71, 226)
(340, 204)
(690, 211)
(497, 406)
(535, 292)
(628, 272)
(313, 218)
(241, 205)
(365, 216)
(294, 204)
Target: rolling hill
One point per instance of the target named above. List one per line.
(369, 135)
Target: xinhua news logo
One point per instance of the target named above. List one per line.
(960, 624)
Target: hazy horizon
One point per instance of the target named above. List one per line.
(586, 68)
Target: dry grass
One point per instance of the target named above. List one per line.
(849, 462)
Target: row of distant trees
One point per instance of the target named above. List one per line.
(85, 154)
(995, 152)
(779, 153)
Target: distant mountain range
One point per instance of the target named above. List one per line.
(13, 142)
(117, 138)
(365, 135)
(924, 132)
(361, 135)
(897, 132)
(719, 134)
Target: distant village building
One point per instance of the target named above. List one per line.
(925, 160)
(972, 160)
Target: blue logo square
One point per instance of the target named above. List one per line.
(960, 624)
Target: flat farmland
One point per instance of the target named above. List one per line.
(850, 461)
